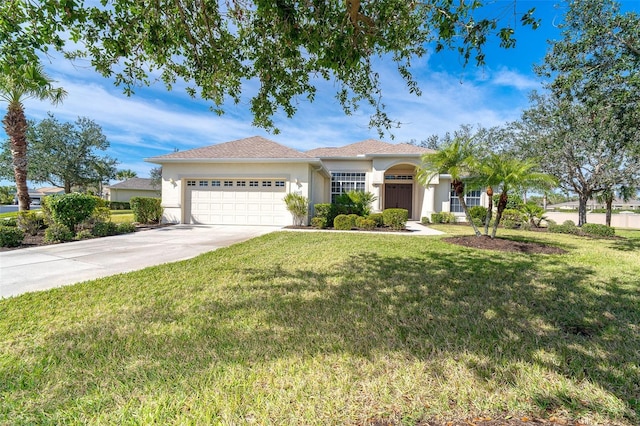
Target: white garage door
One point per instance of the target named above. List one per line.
(237, 202)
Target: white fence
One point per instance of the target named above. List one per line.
(618, 220)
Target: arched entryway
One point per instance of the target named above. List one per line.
(399, 184)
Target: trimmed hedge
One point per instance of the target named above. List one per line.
(395, 218)
(146, 209)
(343, 222)
(364, 223)
(319, 222)
(119, 205)
(443, 217)
(30, 222)
(597, 230)
(10, 236)
(71, 209)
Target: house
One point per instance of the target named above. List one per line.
(133, 187)
(243, 182)
(39, 193)
(593, 204)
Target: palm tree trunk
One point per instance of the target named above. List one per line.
(502, 205)
(15, 125)
(458, 186)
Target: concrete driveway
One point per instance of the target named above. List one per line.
(45, 267)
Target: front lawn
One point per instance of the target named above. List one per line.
(334, 328)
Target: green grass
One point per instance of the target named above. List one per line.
(334, 328)
(121, 216)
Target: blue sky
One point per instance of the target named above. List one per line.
(155, 122)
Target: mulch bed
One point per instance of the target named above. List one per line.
(38, 240)
(502, 244)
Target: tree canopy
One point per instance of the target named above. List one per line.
(275, 51)
(66, 154)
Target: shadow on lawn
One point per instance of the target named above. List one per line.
(501, 308)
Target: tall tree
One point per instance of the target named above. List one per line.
(67, 154)
(17, 84)
(457, 158)
(277, 51)
(579, 144)
(594, 81)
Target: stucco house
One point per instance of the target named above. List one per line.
(243, 182)
(133, 187)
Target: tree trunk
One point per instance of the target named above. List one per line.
(609, 201)
(459, 188)
(489, 210)
(583, 199)
(15, 125)
(502, 204)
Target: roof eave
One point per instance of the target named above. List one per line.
(158, 160)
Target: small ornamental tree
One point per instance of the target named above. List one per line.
(146, 209)
(298, 206)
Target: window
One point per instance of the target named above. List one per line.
(203, 183)
(266, 183)
(228, 183)
(398, 177)
(253, 183)
(346, 181)
(280, 184)
(215, 183)
(241, 183)
(472, 198)
(191, 183)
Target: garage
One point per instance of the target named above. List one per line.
(236, 202)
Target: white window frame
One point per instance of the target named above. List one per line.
(472, 198)
(342, 182)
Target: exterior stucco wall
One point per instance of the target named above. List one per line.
(125, 195)
(174, 176)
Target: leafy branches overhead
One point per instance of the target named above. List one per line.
(219, 46)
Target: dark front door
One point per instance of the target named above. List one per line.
(398, 196)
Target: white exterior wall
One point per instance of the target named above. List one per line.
(296, 175)
(124, 195)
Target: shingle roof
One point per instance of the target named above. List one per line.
(368, 147)
(134, 183)
(255, 147)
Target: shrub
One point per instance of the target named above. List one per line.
(146, 209)
(322, 210)
(104, 229)
(119, 205)
(364, 223)
(425, 220)
(569, 223)
(354, 219)
(342, 222)
(443, 217)
(84, 234)
(395, 218)
(478, 214)
(71, 209)
(10, 236)
(377, 218)
(30, 222)
(58, 233)
(9, 221)
(566, 228)
(598, 230)
(318, 222)
(355, 202)
(125, 228)
(534, 213)
(298, 206)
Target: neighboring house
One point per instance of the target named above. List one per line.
(243, 182)
(38, 194)
(134, 187)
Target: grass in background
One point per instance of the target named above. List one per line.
(333, 328)
(121, 216)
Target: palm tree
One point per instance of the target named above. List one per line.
(26, 81)
(457, 159)
(625, 192)
(125, 174)
(512, 173)
(486, 176)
